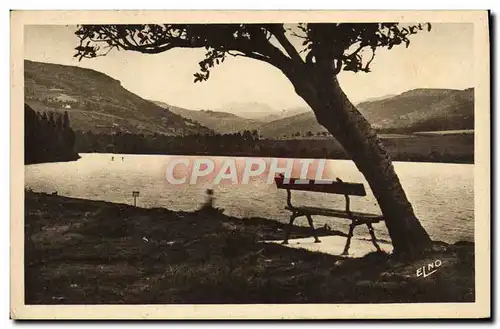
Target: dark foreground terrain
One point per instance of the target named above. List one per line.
(92, 252)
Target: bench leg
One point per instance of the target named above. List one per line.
(349, 236)
(289, 227)
(310, 221)
(372, 234)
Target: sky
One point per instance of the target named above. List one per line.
(441, 58)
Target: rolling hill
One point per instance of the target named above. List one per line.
(227, 122)
(299, 123)
(411, 111)
(220, 122)
(98, 103)
(423, 109)
(284, 114)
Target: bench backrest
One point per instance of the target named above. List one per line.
(323, 186)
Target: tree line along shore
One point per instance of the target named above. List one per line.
(434, 148)
(50, 138)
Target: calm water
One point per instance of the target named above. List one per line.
(441, 194)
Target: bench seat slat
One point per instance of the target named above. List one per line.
(373, 218)
(324, 186)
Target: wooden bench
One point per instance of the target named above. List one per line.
(330, 187)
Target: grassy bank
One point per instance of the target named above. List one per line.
(85, 252)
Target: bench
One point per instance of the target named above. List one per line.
(330, 187)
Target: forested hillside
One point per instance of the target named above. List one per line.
(48, 137)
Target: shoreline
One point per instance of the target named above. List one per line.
(80, 251)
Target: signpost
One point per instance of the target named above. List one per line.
(135, 194)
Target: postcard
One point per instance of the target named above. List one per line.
(250, 164)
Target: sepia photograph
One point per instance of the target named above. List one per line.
(250, 165)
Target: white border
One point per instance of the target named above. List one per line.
(271, 311)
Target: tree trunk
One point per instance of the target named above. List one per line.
(321, 90)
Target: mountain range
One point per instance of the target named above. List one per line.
(412, 111)
(99, 103)
(429, 109)
(221, 122)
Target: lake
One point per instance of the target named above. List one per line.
(442, 194)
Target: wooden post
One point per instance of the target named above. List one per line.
(135, 194)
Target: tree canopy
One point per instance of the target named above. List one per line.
(48, 137)
(310, 56)
(342, 46)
